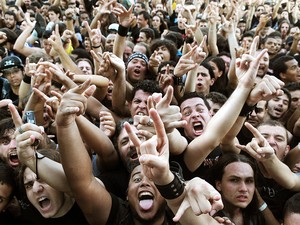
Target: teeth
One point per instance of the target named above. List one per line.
(41, 199)
(146, 193)
(141, 113)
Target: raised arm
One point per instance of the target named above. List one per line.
(217, 127)
(74, 155)
(260, 149)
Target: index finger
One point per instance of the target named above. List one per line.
(253, 46)
(158, 125)
(255, 133)
(15, 115)
(132, 136)
(167, 99)
(5, 102)
(40, 94)
(80, 89)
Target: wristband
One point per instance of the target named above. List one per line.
(27, 79)
(122, 31)
(172, 190)
(263, 207)
(247, 110)
(177, 80)
(96, 46)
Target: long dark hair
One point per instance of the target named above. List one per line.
(217, 172)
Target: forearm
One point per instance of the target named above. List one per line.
(24, 92)
(99, 142)
(190, 83)
(177, 143)
(216, 129)
(67, 62)
(119, 93)
(97, 80)
(212, 39)
(119, 46)
(282, 174)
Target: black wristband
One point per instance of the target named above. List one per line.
(177, 80)
(247, 110)
(96, 46)
(27, 79)
(172, 190)
(122, 31)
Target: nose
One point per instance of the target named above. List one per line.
(37, 187)
(195, 114)
(243, 186)
(13, 144)
(271, 141)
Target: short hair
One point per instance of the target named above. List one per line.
(149, 86)
(273, 123)
(170, 45)
(148, 53)
(148, 32)
(292, 205)
(55, 9)
(194, 94)
(165, 63)
(216, 97)
(274, 34)
(293, 86)
(248, 34)
(146, 15)
(11, 13)
(175, 37)
(279, 65)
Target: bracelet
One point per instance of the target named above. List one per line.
(122, 31)
(173, 189)
(247, 110)
(263, 207)
(37, 156)
(27, 79)
(96, 46)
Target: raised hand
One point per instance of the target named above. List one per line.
(201, 197)
(185, 63)
(74, 103)
(258, 148)
(153, 153)
(107, 123)
(125, 16)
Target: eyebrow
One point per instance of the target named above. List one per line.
(187, 107)
(135, 174)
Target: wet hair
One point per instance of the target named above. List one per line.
(148, 86)
(194, 94)
(217, 172)
(170, 45)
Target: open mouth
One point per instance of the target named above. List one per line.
(13, 157)
(141, 114)
(44, 202)
(198, 127)
(146, 200)
(137, 71)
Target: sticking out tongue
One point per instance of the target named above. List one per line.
(146, 204)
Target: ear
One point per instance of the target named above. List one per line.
(282, 76)
(218, 185)
(287, 149)
(212, 81)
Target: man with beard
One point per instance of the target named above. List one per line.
(145, 205)
(10, 20)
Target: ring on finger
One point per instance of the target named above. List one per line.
(150, 122)
(20, 130)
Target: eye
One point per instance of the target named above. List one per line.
(4, 141)
(124, 141)
(187, 113)
(28, 185)
(137, 180)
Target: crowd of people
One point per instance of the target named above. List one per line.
(150, 112)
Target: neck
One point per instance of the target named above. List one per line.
(65, 208)
(158, 221)
(235, 214)
(15, 90)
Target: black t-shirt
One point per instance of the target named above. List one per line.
(120, 214)
(31, 216)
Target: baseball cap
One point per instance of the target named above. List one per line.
(10, 62)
